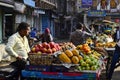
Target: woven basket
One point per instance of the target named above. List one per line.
(38, 59)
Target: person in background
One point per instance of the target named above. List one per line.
(46, 36)
(115, 59)
(79, 36)
(116, 35)
(33, 34)
(18, 47)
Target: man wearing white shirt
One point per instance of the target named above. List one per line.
(18, 47)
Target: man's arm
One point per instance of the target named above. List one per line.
(10, 45)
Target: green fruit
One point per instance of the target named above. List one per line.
(91, 63)
(86, 57)
(87, 68)
(79, 68)
(81, 61)
(83, 68)
(93, 67)
(88, 61)
(83, 64)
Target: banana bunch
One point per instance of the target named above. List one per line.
(95, 53)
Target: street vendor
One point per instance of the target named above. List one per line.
(18, 47)
(79, 36)
(115, 59)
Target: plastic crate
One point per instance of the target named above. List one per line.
(38, 59)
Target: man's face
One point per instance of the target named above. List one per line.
(26, 31)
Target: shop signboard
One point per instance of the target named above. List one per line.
(96, 13)
(109, 5)
(86, 3)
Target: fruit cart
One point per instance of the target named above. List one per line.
(67, 62)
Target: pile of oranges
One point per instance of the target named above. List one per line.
(84, 48)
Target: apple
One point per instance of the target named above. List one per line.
(37, 48)
(43, 50)
(33, 49)
(47, 46)
(40, 45)
(54, 50)
(49, 51)
(57, 47)
(52, 44)
(44, 44)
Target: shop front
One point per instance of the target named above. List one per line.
(6, 19)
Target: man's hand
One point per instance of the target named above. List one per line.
(19, 58)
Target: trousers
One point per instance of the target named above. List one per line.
(115, 59)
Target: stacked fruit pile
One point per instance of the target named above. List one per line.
(45, 48)
(82, 55)
(106, 45)
(70, 56)
(67, 45)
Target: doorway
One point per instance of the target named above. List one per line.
(8, 20)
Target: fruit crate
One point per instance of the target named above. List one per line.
(40, 59)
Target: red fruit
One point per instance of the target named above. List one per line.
(52, 44)
(59, 48)
(44, 44)
(49, 51)
(43, 50)
(37, 49)
(40, 45)
(54, 50)
(47, 46)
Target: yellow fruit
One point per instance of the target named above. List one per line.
(63, 57)
(68, 53)
(75, 60)
(79, 47)
(80, 57)
(75, 52)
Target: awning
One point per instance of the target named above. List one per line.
(6, 5)
(29, 3)
(19, 7)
